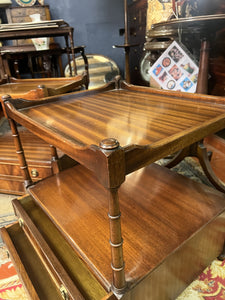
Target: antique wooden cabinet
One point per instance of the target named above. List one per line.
(38, 157)
(115, 225)
(137, 14)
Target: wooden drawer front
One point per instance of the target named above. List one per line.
(11, 185)
(11, 181)
(36, 171)
(36, 280)
(56, 254)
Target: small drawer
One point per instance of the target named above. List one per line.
(56, 254)
(12, 185)
(38, 172)
(35, 278)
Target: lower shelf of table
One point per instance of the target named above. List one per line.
(172, 229)
(161, 213)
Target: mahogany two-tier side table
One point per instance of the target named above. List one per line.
(116, 225)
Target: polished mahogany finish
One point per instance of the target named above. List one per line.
(38, 154)
(170, 243)
(163, 226)
(154, 215)
(41, 162)
(148, 124)
(32, 89)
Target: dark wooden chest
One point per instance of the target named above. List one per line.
(38, 158)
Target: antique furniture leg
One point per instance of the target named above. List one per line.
(201, 153)
(60, 163)
(202, 84)
(54, 159)
(202, 87)
(177, 158)
(59, 61)
(72, 50)
(2, 71)
(4, 68)
(20, 152)
(199, 150)
(68, 55)
(180, 155)
(85, 66)
(206, 166)
(54, 153)
(47, 65)
(116, 242)
(30, 65)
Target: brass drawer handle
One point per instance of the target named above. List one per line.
(64, 293)
(21, 222)
(34, 173)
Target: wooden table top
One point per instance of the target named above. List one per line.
(20, 86)
(145, 121)
(33, 89)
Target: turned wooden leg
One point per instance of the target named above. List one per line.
(86, 67)
(202, 84)
(72, 51)
(115, 173)
(116, 242)
(68, 55)
(54, 159)
(20, 154)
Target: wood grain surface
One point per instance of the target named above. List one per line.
(33, 89)
(112, 132)
(160, 209)
(148, 124)
(131, 118)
